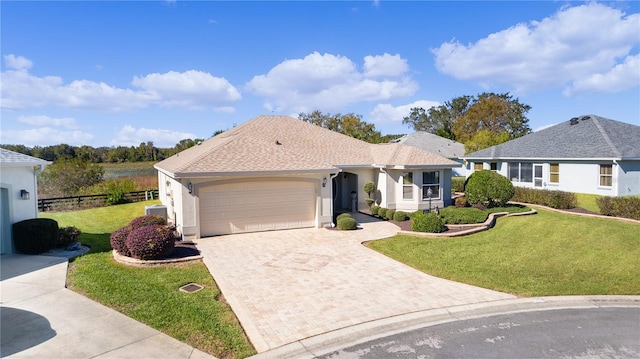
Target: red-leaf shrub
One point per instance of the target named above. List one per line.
(147, 220)
(151, 242)
(118, 240)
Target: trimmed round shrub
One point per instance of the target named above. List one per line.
(461, 202)
(400, 216)
(374, 210)
(151, 242)
(369, 201)
(489, 189)
(429, 223)
(147, 220)
(382, 212)
(118, 240)
(35, 236)
(347, 224)
(343, 215)
(369, 187)
(390, 213)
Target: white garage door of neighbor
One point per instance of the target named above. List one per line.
(256, 206)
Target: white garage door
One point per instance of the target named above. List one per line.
(256, 206)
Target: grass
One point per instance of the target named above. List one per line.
(544, 254)
(588, 202)
(150, 295)
(470, 215)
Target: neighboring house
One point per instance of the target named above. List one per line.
(587, 154)
(278, 172)
(433, 143)
(18, 192)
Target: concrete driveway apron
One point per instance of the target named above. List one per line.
(289, 285)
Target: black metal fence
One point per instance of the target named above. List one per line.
(96, 200)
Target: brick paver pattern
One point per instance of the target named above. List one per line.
(289, 285)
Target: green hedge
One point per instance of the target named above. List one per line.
(400, 216)
(374, 210)
(489, 189)
(390, 213)
(467, 215)
(382, 212)
(430, 223)
(626, 207)
(347, 223)
(553, 199)
(35, 236)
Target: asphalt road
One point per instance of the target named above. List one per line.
(563, 333)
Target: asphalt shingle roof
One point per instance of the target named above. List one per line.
(11, 158)
(286, 144)
(584, 137)
(433, 143)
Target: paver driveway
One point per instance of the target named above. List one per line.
(289, 285)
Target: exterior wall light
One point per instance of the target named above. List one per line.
(24, 194)
(190, 187)
(324, 182)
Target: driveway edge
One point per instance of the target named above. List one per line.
(346, 337)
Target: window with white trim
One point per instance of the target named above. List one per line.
(606, 175)
(431, 180)
(554, 173)
(407, 185)
(520, 171)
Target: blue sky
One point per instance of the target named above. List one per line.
(121, 73)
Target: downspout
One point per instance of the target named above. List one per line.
(333, 225)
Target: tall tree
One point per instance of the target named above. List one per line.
(349, 124)
(463, 117)
(68, 177)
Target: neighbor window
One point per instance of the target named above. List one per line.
(554, 173)
(431, 180)
(494, 166)
(606, 175)
(520, 171)
(477, 166)
(407, 185)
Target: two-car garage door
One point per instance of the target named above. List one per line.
(255, 206)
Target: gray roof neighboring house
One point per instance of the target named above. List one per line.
(583, 137)
(433, 143)
(282, 144)
(15, 159)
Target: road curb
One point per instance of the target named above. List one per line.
(346, 337)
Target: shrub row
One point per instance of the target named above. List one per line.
(626, 207)
(553, 199)
(390, 214)
(145, 237)
(469, 215)
(39, 235)
(346, 222)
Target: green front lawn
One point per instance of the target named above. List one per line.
(150, 295)
(544, 254)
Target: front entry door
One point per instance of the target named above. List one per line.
(537, 175)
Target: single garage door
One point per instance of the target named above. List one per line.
(242, 207)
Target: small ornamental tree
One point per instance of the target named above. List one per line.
(369, 187)
(489, 189)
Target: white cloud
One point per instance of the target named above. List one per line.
(17, 62)
(329, 82)
(388, 113)
(622, 77)
(385, 65)
(567, 47)
(130, 136)
(45, 136)
(190, 89)
(44, 121)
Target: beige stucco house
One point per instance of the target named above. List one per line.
(278, 172)
(18, 192)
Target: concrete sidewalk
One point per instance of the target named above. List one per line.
(40, 318)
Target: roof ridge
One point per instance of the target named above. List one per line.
(605, 135)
